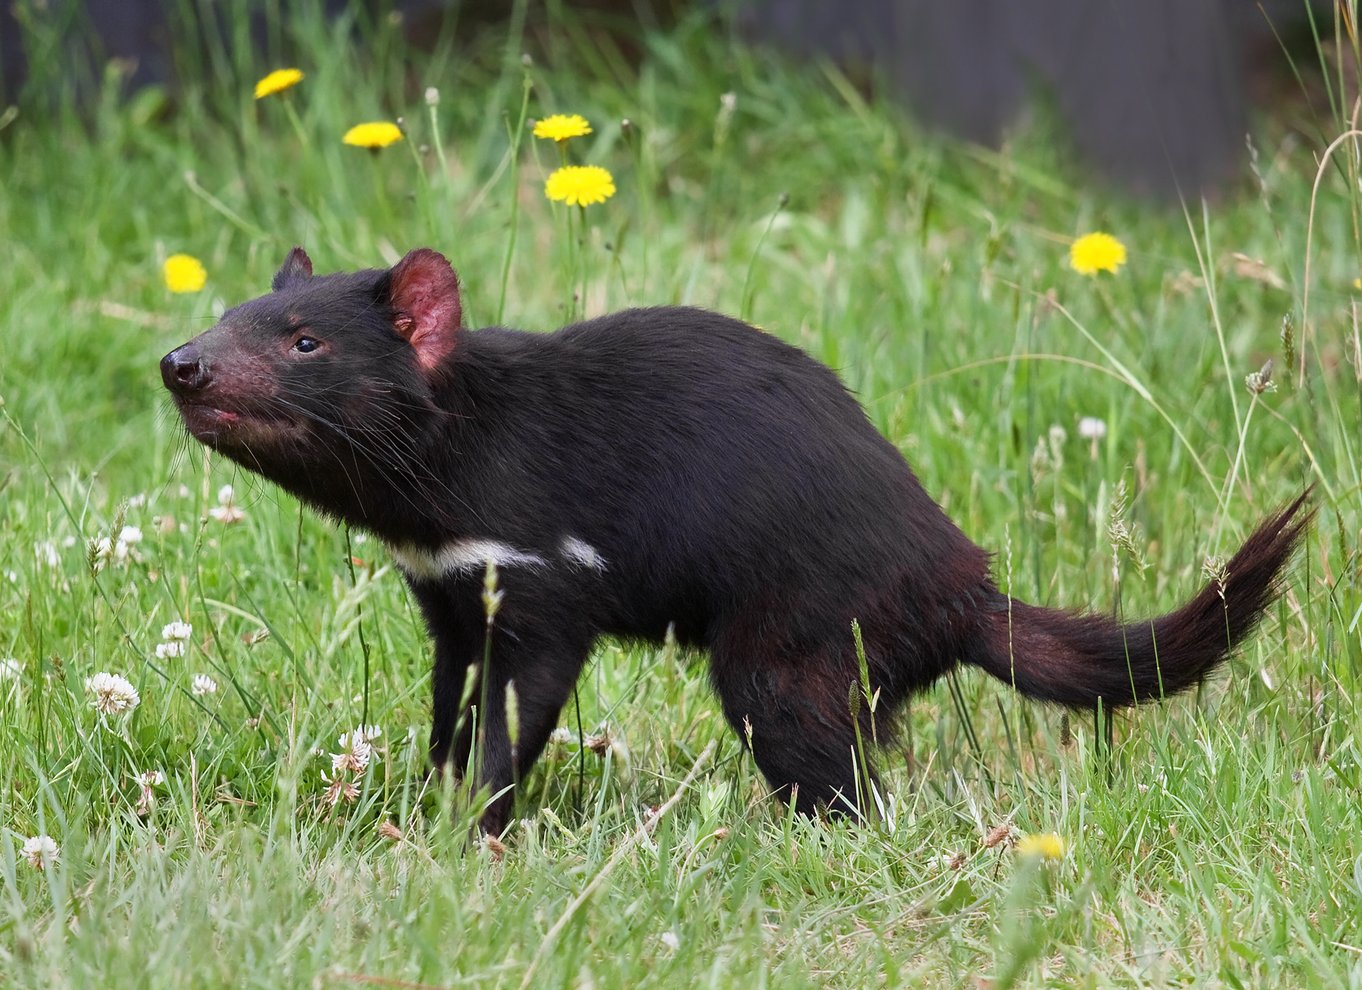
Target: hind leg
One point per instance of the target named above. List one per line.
(797, 722)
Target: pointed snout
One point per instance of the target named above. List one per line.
(184, 370)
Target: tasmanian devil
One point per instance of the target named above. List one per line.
(654, 468)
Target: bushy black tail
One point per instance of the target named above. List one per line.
(1075, 660)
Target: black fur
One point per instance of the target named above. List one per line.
(731, 486)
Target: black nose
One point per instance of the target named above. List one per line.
(184, 371)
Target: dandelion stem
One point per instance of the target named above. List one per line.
(570, 265)
(582, 265)
(292, 112)
(380, 188)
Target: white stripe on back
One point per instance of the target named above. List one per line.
(583, 553)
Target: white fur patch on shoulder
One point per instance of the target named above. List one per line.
(582, 553)
(461, 557)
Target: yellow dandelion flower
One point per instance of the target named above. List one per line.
(1097, 252)
(1046, 845)
(377, 134)
(579, 185)
(277, 81)
(562, 126)
(184, 273)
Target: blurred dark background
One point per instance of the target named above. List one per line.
(1156, 95)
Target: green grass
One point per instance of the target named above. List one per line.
(1214, 843)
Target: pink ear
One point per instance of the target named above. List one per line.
(424, 295)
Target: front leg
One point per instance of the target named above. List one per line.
(534, 645)
(456, 684)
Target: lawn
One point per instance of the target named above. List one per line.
(1096, 431)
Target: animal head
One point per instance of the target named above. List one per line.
(326, 382)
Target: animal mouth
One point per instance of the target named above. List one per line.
(201, 412)
(217, 426)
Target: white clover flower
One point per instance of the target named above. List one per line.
(226, 514)
(607, 741)
(146, 781)
(177, 630)
(1092, 428)
(113, 693)
(356, 749)
(203, 684)
(360, 734)
(561, 736)
(355, 759)
(339, 788)
(670, 940)
(1261, 381)
(119, 549)
(41, 851)
(226, 511)
(176, 635)
(137, 501)
(125, 546)
(46, 553)
(10, 668)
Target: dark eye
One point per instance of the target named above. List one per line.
(306, 345)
